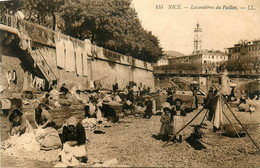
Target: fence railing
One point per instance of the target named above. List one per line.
(193, 72)
(47, 36)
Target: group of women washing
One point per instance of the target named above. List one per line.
(72, 133)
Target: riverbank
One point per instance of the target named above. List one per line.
(134, 142)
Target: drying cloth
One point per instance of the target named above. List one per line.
(60, 53)
(100, 52)
(86, 52)
(6, 104)
(79, 61)
(70, 56)
(154, 107)
(91, 84)
(218, 117)
(8, 77)
(92, 109)
(85, 63)
(38, 83)
(88, 47)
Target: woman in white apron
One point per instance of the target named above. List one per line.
(74, 143)
(178, 119)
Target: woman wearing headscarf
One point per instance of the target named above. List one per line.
(109, 112)
(128, 107)
(90, 110)
(43, 118)
(194, 100)
(18, 123)
(149, 108)
(178, 118)
(74, 140)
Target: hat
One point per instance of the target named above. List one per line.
(107, 99)
(166, 106)
(71, 121)
(177, 99)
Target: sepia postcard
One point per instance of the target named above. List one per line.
(130, 83)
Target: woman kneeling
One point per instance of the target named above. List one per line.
(74, 145)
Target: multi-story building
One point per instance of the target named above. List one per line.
(163, 61)
(244, 49)
(202, 57)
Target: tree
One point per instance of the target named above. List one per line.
(112, 24)
(241, 65)
(39, 11)
(255, 62)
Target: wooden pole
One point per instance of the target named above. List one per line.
(204, 116)
(183, 127)
(240, 123)
(231, 124)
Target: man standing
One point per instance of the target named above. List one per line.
(208, 103)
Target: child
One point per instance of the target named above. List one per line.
(166, 129)
(178, 118)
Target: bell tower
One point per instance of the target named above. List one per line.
(197, 38)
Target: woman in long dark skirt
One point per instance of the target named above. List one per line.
(166, 128)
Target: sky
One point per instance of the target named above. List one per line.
(221, 28)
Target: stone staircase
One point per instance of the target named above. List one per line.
(43, 66)
(35, 57)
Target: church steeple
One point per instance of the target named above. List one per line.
(197, 38)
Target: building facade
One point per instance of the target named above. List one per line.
(163, 61)
(244, 49)
(203, 57)
(200, 56)
(168, 54)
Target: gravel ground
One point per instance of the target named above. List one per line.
(133, 141)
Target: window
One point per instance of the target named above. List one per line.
(205, 61)
(213, 56)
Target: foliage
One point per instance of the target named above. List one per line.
(39, 11)
(251, 64)
(112, 24)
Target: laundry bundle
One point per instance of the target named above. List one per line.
(48, 138)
